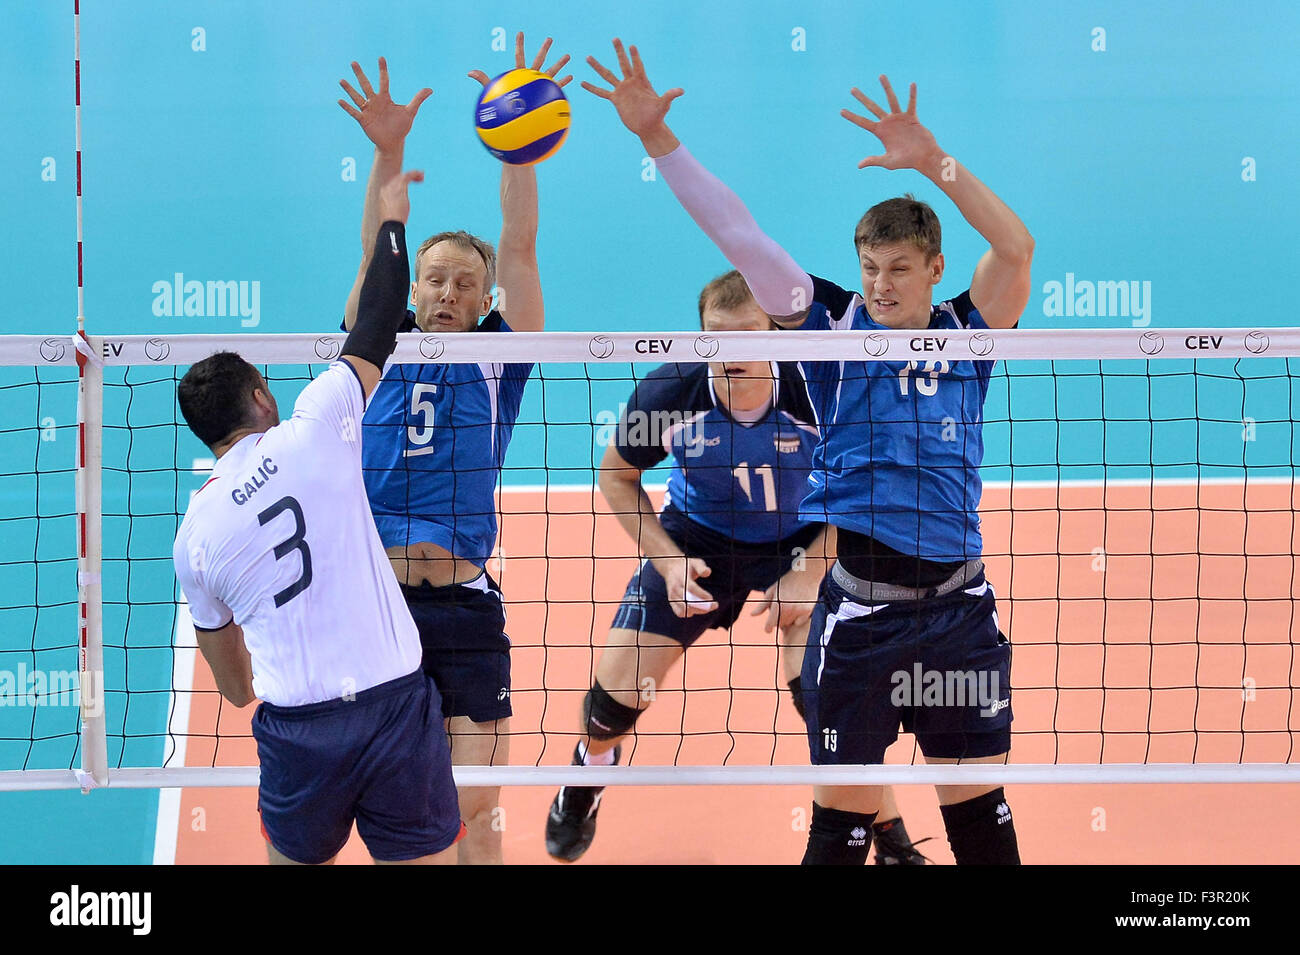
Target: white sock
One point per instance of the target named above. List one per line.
(595, 759)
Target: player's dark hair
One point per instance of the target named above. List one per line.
(468, 242)
(905, 219)
(726, 292)
(216, 396)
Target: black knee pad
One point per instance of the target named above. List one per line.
(838, 837)
(605, 717)
(980, 830)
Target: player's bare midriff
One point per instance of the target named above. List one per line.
(416, 563)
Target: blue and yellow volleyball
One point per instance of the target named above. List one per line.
(522, 117)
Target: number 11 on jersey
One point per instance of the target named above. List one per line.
(764, 471)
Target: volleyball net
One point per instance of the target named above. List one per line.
(1138, 518)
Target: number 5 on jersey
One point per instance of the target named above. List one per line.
(421, 435)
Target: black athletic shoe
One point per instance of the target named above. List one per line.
(893, 847)
(571, 823)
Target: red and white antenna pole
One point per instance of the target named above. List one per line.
(90, 432)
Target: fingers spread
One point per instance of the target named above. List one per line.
(857, 120)
(361, 79)
(351, 110)
(356, 97)
(623, 61)
(383, 75)
(603, 94)
(540, 59)
(911, 100)
(889, 93)
(558, 65)
(862, 98)
(603, 73)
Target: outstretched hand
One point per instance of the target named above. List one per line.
(537, 64)
(385, 122)
(394, 203)
(908, 144)
(641, 109)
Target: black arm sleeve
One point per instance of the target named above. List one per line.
(381, 308)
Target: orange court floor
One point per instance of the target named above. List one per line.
(1149, 624)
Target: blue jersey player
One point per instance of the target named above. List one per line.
(896, 473)
(434, 439)
(741, 437)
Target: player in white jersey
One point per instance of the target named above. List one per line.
(294, 601)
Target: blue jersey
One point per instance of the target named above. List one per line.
(902, 440)
(742, 480)
(434, 439)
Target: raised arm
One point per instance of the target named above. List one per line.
(620, 482)
(381, 302)
(386, 124)
(517, 274)
(780, 286)
(1001, 285)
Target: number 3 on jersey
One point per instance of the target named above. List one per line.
(420, 435)
(295, 541)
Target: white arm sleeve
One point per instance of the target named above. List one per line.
(780, 287)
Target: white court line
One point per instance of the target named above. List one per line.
(178, 728)
(998, 485)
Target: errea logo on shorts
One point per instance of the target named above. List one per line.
(1004, 813)
(858, 836)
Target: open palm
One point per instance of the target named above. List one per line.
(639, 107)
(385, 122)
(908, 144)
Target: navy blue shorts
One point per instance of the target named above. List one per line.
(380, 759)
(466, 650)
(737, 569)
(939, 668)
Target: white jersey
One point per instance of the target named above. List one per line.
(281, 540)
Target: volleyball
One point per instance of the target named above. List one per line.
(522, 117)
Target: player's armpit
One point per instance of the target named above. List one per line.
(227, 657)
(367, 373)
